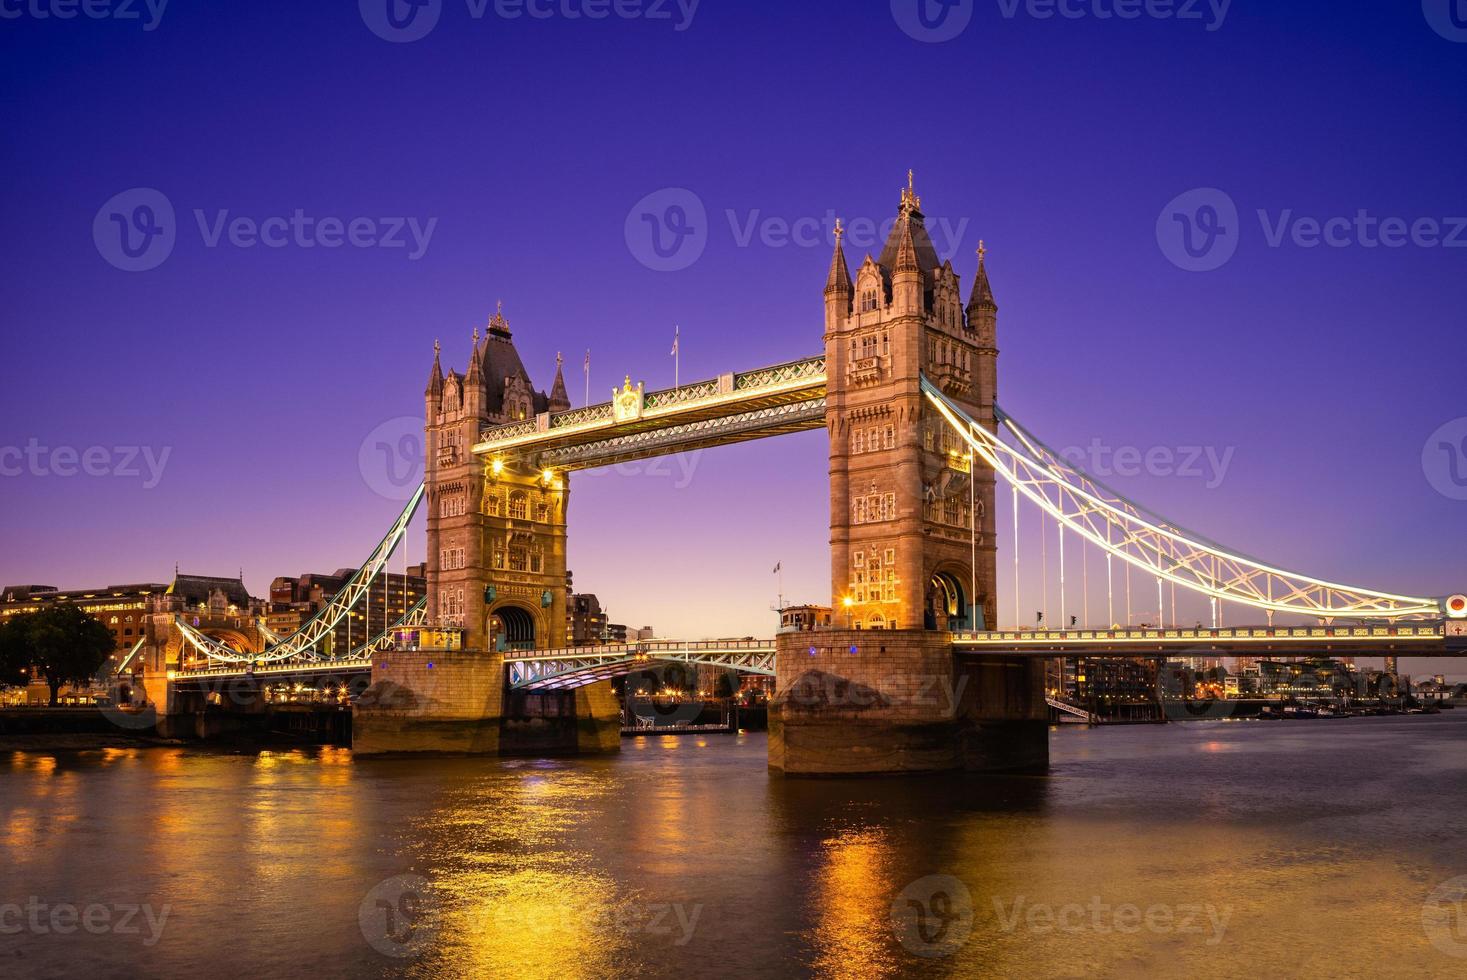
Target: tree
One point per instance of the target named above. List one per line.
(64, 644)
(723, 688)
(13, 656)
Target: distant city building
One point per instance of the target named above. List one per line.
(585, 621)
(616, 633)
(123, 609)
(295, 600)
(1085, 681)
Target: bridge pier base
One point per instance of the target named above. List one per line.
(874, 702)
(433, 701)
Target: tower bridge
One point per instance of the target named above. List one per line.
(918, 444)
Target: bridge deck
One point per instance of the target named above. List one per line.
(1427, 640)
(731, 408)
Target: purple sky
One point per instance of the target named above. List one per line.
(1318, 373)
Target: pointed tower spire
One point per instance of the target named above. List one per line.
(982, 298)
(476, 363)
(906, 260)
(435, 379)
(559, 399)
(906, 277)
(839, 279)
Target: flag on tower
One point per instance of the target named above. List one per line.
(777, 568)
(675, 338)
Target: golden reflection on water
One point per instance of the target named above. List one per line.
(852, 932)
(554, 868)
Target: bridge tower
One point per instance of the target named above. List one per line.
(912, 537)
(496, 531)
(903, 489)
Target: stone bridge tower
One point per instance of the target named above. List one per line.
(904, 492)
(496, 529)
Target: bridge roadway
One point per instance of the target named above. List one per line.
(1414, 640)
(572, 667)
(640, 424)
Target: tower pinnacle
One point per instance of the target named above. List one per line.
(839, 279)
(435, 379)
(910, 200)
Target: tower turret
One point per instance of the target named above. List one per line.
(559, 399)
(435, 377)
(983, 321)
(838, 289)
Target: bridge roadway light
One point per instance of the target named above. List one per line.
(497, 467)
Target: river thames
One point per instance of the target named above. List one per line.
(1225, 849)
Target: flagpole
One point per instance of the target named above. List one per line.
(586, 369)
(677, 356)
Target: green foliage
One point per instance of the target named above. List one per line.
(724, 686)
(63, 643)
(13, 656)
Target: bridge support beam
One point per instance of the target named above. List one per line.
(458, 703)
(891, 702)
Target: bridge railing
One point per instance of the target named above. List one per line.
(1427, 632)
(739, 385)
(650, 647)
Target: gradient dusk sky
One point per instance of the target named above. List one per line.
(530, 146)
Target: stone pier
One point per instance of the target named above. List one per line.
(456, 702)
(888, 702)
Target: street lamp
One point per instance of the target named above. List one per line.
(849, 604)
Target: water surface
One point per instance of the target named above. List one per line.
(1210, 848)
